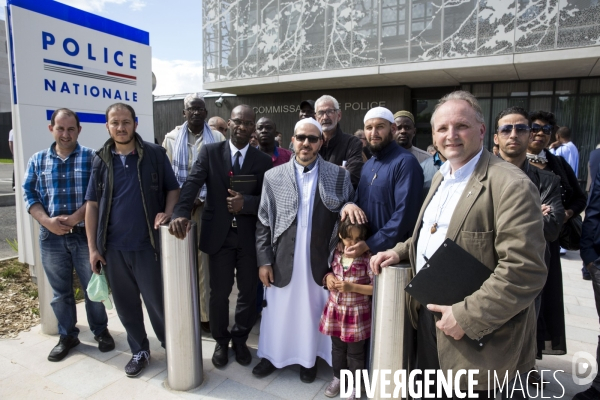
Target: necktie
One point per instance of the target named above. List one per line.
(237, 170)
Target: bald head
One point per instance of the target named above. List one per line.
(218, 124)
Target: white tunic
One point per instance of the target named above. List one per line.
(289, 330)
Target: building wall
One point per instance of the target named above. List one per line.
(283, 108)
(262, 38)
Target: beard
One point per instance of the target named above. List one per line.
(306, 157)
(124, 139)
(376, 148)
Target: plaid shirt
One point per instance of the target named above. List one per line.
(59, 186)
(348, 315)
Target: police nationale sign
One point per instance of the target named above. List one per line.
(61, 56)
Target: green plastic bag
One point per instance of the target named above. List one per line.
(97, 289)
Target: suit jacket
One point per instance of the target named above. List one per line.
(590, 234)
(213, 167)
(498, 220)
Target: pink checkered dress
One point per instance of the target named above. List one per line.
(348, 315)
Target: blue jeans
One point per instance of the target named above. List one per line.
(60, 254)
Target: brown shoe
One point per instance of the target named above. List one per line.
(205, 326)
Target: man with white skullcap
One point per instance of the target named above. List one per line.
(389, 190)
(295, 234)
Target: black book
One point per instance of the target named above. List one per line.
(449, 275)
(244, 184)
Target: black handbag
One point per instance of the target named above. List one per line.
(570, 234)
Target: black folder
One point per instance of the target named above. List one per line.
(244, 184)
(450, 275)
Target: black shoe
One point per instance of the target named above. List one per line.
(308, 375)
(586, 274)
(220, 356)
(61, 350)
(137, 363)
(534, 378)
(242, 354)
(263, 368)
(105, 341)
(205, 326)
(590, 394)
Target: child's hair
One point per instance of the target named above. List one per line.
(346, 225)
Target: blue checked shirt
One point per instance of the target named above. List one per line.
(59, 186)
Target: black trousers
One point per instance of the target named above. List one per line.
(347, 356)
(427, 355)
(233, 261)
(131, 273)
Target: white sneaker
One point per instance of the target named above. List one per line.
(563, 251)
(334, 388)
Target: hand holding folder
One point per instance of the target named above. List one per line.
(244, 184)
(450, 275)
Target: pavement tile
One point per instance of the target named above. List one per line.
(210, 382)
(581, 311)
(570, 299)
(584, 335)
(577, 321)
(232, 390)
(29, 385)
(24, 340)
(132, 389)
(35, 358)
(289, 386)
(86, 377)
(578, 292)
(9, 368)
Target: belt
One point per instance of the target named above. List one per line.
(77, 229)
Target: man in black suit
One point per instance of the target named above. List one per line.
(228, 230)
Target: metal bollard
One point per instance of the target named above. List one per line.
(182, 310)
(392, 335)
(45, 295)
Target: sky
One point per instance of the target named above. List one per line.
(175, 28)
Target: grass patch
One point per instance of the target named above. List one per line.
(12, 271)
(6, 161)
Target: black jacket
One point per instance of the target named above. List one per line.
(213, 167)
(343, 147)
(548, 184)
(573, 197)
(151, 176)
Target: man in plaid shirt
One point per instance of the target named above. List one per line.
(55, 184)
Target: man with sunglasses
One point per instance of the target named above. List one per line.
(183, 145)
(513, 135)
(295, 235)
(338, 147)
(228, 227)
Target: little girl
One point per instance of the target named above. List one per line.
(347, 314)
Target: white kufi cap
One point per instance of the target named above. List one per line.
(379, 112)
(310, 121)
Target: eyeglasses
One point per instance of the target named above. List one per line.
(329, 112)
(194, 110)
(506, 130)
(238, 122)
(546, 129)
(311, 138)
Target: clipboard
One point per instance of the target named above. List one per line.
(450, 275)
(244, 184)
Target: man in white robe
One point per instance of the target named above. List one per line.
(295, 235)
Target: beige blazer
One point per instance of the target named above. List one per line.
(498, 220)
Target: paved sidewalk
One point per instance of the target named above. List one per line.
(25, 372)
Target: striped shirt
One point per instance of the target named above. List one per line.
(58, 185)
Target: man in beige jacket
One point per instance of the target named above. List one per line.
(183, 146)
(491, 209)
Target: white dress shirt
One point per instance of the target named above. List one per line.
(441, 208)
(235, 150)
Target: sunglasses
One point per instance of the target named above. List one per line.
(311, 138)
(506, 130)
(546, 129)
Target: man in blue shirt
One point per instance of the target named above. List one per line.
(132, 191)
(390, 187)
(54, 188)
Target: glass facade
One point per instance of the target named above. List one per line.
(260, 38)
(574, 102)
